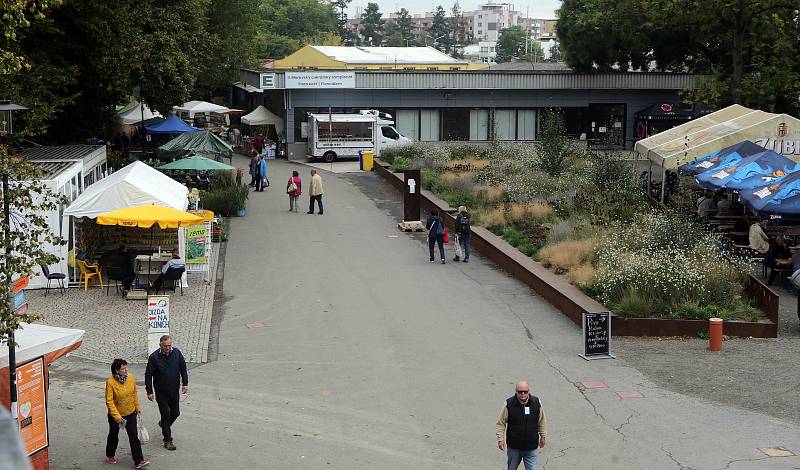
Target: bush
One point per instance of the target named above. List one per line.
(633, 304)
(581, 275)
(560, 231)
(227, 195)
(400, 164)
(522, 212)
(494, 217)
(567, 255)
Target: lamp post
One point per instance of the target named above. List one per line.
(7, 110)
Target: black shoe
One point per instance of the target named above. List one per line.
(442, 260)
(310, 212)
(466, 261)
(456, 258)
(320, 213)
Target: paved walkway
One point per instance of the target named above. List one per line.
(116, 327)
(342, 347)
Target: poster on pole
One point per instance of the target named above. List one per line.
(596, 327)
(31, 405)
(157, 320)
(197, 244)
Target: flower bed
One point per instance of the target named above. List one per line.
(583, 215)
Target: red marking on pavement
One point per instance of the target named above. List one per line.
(594, 384)
(629, 394)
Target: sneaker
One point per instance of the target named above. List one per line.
(432, 261)
(142, 463)
(466, 261)
(112, 460)
(442, 260)
(169, 445)
(456, 258)
(309, 212)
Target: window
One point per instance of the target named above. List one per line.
(504, 125)
(484, 49)
(455, 68)
(429, 125)
(478, 124)
(491, 49)
(480, 24)
(389, 132)
(492, 26)
(526, 124)
(408, 123)
(433, 68)
(409, 68)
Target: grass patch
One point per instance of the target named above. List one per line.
(567, 255)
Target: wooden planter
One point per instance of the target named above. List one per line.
(571, 301)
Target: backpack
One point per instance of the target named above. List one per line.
(463, 223)
(795, 279)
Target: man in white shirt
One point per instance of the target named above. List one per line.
(176, 262)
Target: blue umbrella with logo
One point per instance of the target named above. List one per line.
(780, 197)
(721, 158)
(754, 171)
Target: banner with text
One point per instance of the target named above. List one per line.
(197, 240)
(32, 409)
(320, 80)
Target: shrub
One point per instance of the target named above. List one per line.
(430, 179)
(227, 194)
(633, 304)
(471, 165)
(493, 217)
(580, 275)
(460, 183)
(554, 151)
(566, 255)
(490, 195)
(560, 231)
(400, 164)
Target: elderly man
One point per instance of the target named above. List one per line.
(522, 428)
(315, 194)
(166, 374)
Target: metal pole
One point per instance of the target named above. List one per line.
(141, 125)
(12, 359)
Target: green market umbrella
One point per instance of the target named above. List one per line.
(197, 163)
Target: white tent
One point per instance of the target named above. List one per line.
(35, 340)
(261, 116)
(195, 107)
(135, 185)
(132, 114)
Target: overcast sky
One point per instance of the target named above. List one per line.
(538, 9)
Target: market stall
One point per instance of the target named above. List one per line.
(38, 346)
(203, 143)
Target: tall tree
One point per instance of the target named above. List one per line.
(440, 31)
(405, 27)
(515, 43)
(555, 53)
(286, 25)
(341, 16)
(372, 25)
(458, 31)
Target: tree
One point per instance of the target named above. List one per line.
(286, 25)
(372, 25)
(405, 27)
(440, 31)
(515, 43)
(342, 15)
(16, 16)
(458, 28)
(392, 35)
(555, 53)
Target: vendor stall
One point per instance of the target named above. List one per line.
(203, 143)
(38, 346)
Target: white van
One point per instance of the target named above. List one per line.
(334, 136)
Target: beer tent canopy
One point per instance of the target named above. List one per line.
(202, 143)
(712, 132)
(261, 116)
(134, 185)
(34, 340)
(132, 113)
(754, 171)
(721, 158)
(173, 125)
(195, 107)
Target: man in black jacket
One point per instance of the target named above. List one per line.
(522, 428)
(166, 373)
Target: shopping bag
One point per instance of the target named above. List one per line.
(446, 236)
(457, 246)
(144, 436)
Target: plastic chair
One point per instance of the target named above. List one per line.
(52, 277)
(88, 271)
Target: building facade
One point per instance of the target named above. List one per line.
(477, 106)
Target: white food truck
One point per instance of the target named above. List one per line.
(333, 136)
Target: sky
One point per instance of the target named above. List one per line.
(538, 9)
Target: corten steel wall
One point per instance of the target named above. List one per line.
(570, 300)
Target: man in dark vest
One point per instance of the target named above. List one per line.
(522, 428)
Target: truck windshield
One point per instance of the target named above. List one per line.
(389, 132)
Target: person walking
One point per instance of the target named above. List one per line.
(463, 232)
(315, 194)
(435, 226)
(294, 190)
(253, 169)
(262, 171)
(165, 374)
(124, 408)
(522, 428)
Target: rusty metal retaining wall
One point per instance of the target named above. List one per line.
(570, 300)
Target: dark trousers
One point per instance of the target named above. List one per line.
(158, 282)
(311, 200)
(169, 407)
(252, 180)
(464, 238)
(432, 240)
(133, 437)
(259, 183)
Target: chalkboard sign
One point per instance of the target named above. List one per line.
(596, 335)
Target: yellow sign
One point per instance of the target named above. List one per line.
(31, 406)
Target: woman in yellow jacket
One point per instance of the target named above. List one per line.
(123, 408)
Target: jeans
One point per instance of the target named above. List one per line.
(311, 200)
(133, 437)
(432, 240)
(293, 202)
(169, 408)
(530, 457)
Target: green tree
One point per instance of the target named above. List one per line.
(555, 53)
(458, 31)
(286, 25)
(392, 35)
(372, 25)
(406, 27)
(515, 43)
(16, 16)
(341, 16)
(554, 150)
(440, 31)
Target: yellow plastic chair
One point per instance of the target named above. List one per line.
(88, 271)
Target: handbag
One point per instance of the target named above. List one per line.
(265, 182)
(144, 436)
(292, 187)
(446, 236)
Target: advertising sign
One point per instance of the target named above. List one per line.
(17, 300)
(197, 244)
(20, 283)
(158, 314)
(266, 81)
(32, 409)
(596, 335)
(320, 79)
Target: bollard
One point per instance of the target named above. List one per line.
(715, 334)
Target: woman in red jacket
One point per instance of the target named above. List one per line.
(294, 189)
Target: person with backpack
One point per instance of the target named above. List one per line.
(463, 232)
(435, 226)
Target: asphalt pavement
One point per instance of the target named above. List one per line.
(341, 346)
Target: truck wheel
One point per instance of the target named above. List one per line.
(329, 157)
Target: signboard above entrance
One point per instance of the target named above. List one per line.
(320, 80)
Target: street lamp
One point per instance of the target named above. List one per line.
(7, 110)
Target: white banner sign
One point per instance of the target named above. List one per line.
(320, 80)
(158, 314)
